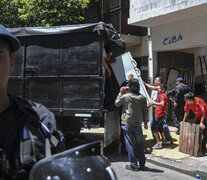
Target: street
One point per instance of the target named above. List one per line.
(151, 172)
(90, 80)
(118, 162)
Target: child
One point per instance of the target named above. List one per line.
(160, 112)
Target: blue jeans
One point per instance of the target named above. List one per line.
(165, 128)
(167, 131)
(134, 137)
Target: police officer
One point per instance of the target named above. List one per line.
(15, 114)
(178, 102)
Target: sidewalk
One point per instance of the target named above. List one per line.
(170, 157)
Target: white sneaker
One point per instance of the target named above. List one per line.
(157, 146)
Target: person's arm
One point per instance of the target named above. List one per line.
(202, 126)
(201, 103)
(185, 116)
(106, 68)
(120, 99)
(151, 86)
(176, 96)
(162, 103)
(187, 110)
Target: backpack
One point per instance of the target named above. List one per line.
(186, 89)
(38, 139)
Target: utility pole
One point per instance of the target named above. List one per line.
(150, 63)
(150, 57)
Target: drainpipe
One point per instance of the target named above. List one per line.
(150, 57)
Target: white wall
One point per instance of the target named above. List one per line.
(145, 12)
(139, 50)
(180, 35)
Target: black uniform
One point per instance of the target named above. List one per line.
(15, 162)
(178, 112)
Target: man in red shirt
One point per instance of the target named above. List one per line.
(160, 112)
(199, 107)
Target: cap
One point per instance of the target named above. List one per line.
(179, 79)
(14, 42)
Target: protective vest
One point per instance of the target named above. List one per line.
(37, 138)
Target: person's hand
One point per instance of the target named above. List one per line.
(146, 126)
(175, 104)
(112, 60)
(151, 104)
(109, 73)
(122, 90)
(202, 126)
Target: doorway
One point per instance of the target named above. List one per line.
(172, 65)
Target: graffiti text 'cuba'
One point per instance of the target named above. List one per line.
(172, 39)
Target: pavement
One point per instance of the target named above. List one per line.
(169, 156)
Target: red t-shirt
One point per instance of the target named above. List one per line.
(107, 59)
(198, 107)
(160, 110)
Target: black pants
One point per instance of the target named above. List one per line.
(204, 140)
(177, 115)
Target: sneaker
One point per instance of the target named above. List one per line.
(167, 143)
(178, 132)
(131, 168)
(157, 146)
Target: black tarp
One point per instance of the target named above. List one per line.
(111, 33)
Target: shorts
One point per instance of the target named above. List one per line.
(157, 125)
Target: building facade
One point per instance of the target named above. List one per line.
(178, 31)
(116, 12)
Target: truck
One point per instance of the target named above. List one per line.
(61, 67)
